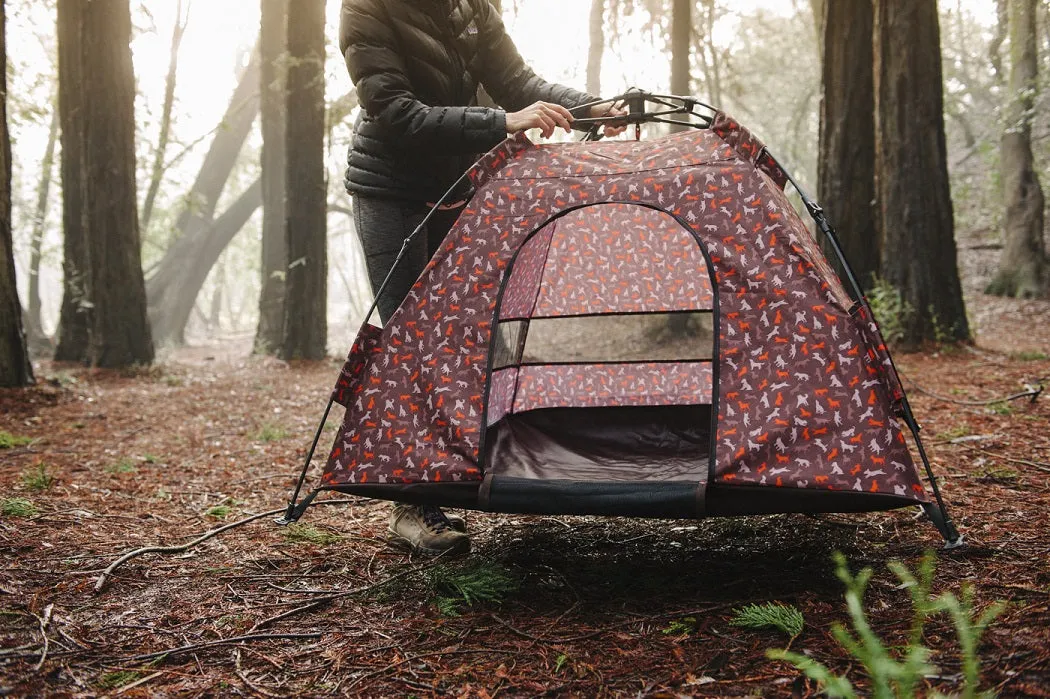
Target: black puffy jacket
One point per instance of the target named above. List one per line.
(417, 65)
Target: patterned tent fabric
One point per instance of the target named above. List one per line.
(695, 221)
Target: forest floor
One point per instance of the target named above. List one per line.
(580, 606)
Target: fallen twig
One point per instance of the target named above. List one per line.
(1031, 390)
(612, 627)
(100, 583)
(410, 658)
(44, 621)
(244, 678)
(321, 601)
(220, 642)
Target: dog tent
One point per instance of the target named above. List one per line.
(783, 398)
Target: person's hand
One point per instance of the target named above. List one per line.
(610, 109)
(544, 116)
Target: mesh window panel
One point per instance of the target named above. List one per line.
(618, 338)
(506, 350)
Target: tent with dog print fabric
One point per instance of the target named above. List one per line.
(782, 398)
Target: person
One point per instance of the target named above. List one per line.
(417, 66)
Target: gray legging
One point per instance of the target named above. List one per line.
(382, 225)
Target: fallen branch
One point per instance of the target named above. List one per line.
(44, 621)
(612, 627)
(100, 583)
(410, 658)
(1031, 391)
(322, 601)
(221, 642)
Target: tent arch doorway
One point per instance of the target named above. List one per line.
(568, 399)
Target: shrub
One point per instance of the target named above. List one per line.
(898, 674)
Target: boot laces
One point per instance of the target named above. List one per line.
(435, 519)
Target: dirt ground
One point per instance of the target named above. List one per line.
(588, 606)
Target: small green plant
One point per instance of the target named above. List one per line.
(113, 680)
(9, 441)
(997, 472)
(892, 311)
(305, 534)
(1002, 408)
(17, 507)
(955, 433)
(150, 459)
(562, 659)
(218, 511)
(465, 586)
(125, 465)
(679, 627)
(1030, 356)
(37, 479)
(897, 673)
(783, 617)
(271, 433)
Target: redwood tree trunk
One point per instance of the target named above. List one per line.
(15, 369)
(119, 333)
(167, 282)
(846, 163)
(918, 252)
(306, 295)
(596, 32)
(34, 322)
(73, 318)
(157, 171)
(272, 58)
(1023, 264)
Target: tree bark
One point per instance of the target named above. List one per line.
(846, 161)
(273, 65)
(199, 261)
(1023, 264)
(918, 251)
(306, 295)
(34, 322)
(119, 332)
(596, 48)
(73, 317)
(15, 369)
(167, 279)
(157, 171)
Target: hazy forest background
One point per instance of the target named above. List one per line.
(201, 173)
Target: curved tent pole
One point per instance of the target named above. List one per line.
(938, 513)
(295, 510)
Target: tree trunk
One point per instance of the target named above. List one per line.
(119, 332)
(819, 8)
(15, 369)
(681, 33)
(596, 48)
(199, 261)
(73, 317)
(34, 322)
(273, 60)
(306, 296)
(1023, 264)
(918, 251)
(846, 162)
(167, 279)
(157, 171)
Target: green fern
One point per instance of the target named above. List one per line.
(473, 584)
(898, 675)
(786, 618)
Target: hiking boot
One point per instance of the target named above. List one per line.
(426, 529)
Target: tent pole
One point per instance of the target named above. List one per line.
(294, 512)
(938, 515)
